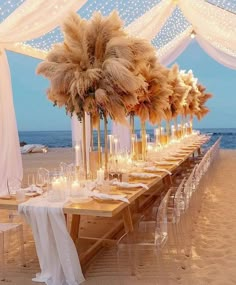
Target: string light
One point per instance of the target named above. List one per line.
(193, 34)
(175, 28)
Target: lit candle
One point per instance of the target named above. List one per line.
(56, 184)
(110, 143)
(116, 145)
(100, 176)
(77, 155)
(63, 181)
(133, 139)
(157, 136)
(75, 186)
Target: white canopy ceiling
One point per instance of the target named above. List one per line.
(168, 24)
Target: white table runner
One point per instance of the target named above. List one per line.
(56, 251)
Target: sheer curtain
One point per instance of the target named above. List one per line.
(174, 48)
(218, 55)
(149, 24)
(215, 25)
(23, 24)
(10, 157)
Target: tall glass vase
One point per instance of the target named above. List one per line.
(105, 143)
(144, 140)
(84, 148)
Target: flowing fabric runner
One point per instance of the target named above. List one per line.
(56, 251)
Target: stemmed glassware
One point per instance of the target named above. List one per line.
(42, 177)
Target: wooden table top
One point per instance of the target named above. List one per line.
(111, 208)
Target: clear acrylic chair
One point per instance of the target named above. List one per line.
(143, 247)
(8, 244)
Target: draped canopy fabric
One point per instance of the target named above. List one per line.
(154, 20)
(12, 30)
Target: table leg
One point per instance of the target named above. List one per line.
(74, 230)
(128, 223)
(199, 151)
(137, 205)
(167, 180)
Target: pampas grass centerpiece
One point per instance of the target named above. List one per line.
(100, 70)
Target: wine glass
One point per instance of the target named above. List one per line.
(31, 180)
(42, 177)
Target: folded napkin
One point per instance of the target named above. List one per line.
(166, 163)
(129, 185)
(33, 189)
(58, 259)
(104, 196)
(154, 168)
(143, 175)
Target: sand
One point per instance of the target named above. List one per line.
(49, 160)
(213, 258)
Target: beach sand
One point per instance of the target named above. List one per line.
(213, 258)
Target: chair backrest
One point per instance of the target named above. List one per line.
(161, 231)
(179, 201)
(188, 188)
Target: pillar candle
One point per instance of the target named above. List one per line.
(116, 145)
(77, 155)
(100, 176)
(110, 143)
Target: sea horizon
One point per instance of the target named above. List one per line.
(63, 138)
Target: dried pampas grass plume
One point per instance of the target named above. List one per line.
(177, 100)
(97, 69)
(203, 98)
(153, 102)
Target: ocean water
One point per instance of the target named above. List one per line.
(63, 138)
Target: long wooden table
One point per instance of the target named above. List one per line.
(111, 209)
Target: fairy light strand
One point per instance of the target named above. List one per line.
(129, 10)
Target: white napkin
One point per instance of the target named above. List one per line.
(129, 185)
(143, 175)
(153, 168)
(56, 251)
(31, 189)
(104, 196)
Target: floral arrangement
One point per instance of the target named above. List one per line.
(98, 68)
(101, 70)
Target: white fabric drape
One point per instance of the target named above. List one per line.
(173, 49)
(218, 55)
(77, 133)
(148, 25)
(214, 24)
(10, 157)
(30, 20)
(122, 132)
(34, 18)
(58, 259)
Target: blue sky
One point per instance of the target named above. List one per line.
(34, 112)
